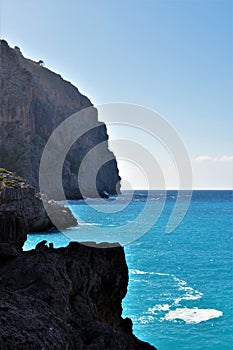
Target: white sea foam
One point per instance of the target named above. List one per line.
(162, 274)
(194, 315)
(82, 223)
(190, 293)
(189, 315)
(186, 293)
(73, 228)
(139, 272)
(187, 297)
(146, 319)
(159, 307)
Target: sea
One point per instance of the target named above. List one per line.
(180, 292)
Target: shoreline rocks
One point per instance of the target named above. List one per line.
(23, 200)
(13, 234)
(57, 299)
(66, 298)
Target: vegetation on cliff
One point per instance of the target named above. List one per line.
(24, 201)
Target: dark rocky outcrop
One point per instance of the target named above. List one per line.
(33, 102)
(53, 299)
(22, 201)
(13, 233)
(66, 298)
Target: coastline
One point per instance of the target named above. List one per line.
(64, 298)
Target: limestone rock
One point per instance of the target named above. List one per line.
(24, 202)
(34, 101)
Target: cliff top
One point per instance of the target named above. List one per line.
(47, 77)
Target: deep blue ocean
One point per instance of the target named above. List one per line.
(180, 293)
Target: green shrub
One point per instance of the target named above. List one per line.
(2, 170)
(9, 183)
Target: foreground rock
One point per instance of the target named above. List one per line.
(67, 298)
(34, 101)
(22, 200)
(13, 234)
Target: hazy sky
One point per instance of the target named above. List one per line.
(174, 57)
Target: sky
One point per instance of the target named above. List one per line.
(173, 57)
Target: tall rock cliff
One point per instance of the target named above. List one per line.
(67, 298)
(34, 101)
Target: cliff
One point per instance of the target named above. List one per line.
(25, 204)
(34, 101)
(67, 298)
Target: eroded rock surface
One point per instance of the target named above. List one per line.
(24, 202)
(66, 298)
(33, 102)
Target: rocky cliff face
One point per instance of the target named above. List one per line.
(67, 298)
(34, 101)
(25, 204)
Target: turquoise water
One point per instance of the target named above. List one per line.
(181, 284)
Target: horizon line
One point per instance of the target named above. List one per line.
(177, 189)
